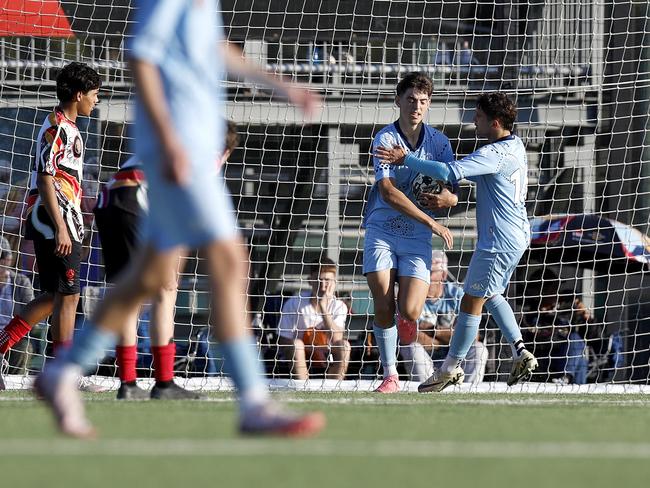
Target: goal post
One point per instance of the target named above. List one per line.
(577, 69)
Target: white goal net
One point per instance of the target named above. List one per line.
(578, 69)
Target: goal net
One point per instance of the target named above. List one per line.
(578, 69)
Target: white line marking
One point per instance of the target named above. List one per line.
(317, 448)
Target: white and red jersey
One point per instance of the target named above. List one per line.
(60, 154)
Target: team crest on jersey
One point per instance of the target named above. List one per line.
(76, 147)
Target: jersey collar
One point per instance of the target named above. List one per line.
(406, 141)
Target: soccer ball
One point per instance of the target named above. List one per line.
(425, 184)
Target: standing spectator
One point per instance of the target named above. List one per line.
(435, 329)
(312, 326)
(15, 291)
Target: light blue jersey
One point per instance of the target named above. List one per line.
(500, 171)
(181, 38)
(379, 215)
(443, 311)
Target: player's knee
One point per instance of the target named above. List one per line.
(494, 301)
(410, 313)
(384, 308)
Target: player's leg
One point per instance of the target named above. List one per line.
(382, 288)
(480, 270)
(19, 326)
(41, 307)
(524, 363)
(341, 357)
(163, 346)
(126, 353)
(58, 381)
(228, 267)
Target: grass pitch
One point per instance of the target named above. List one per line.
(477, 440)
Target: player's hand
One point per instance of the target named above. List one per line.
(438, 201)
(394, 155)
(63, 243)
(304, 99)
(175, 163)
(443, 233)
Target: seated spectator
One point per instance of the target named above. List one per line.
(435, 329)
(15, 291)
(312, 326)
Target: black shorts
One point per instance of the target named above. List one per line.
(57, 274)
(119, 234)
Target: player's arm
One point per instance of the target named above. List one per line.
(45, 185)
(237, 63)
(400, 202)
(152, 95)
(447, 198)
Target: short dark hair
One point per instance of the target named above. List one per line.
(318, 266)
(232, 137)
(74, 78)
(417, 81)
(498, 106)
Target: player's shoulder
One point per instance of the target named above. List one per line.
(388, 133)
(435, 134)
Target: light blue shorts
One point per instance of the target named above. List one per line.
(193, 215)
(411, 257)
(489, 272)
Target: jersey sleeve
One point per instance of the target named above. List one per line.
(155, 28)
(288, 318)
(52, 148)
(446, 155)
(383, 170)
(485, 161)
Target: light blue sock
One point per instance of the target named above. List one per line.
(241, 364)
(387, 344)
(465, 332)
(89, 347)
(504, 317)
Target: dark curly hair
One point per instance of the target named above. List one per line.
(498, 106)
(74, 78)
(418, 81)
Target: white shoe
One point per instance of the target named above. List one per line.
(57, 385)
(84, 384)
(440, 380)
(522, 368)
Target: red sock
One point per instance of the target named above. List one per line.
(60, 346)
(163, 361)
(127, 357)
(15, 330)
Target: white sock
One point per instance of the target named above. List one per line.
(390, 371)
(252, 399)
(450, 364)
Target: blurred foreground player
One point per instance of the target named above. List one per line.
(178, 57)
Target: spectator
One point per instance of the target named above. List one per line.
(11, 204)
(312, 326)
(464, 56)
(15, 291)
(435, 328)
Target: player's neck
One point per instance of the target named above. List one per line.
(412, 132)
(497, 134)
(70, 111)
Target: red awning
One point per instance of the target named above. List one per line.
(22, 18)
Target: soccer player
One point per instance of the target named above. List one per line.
(397, 245)
(120, 206)
(499, 170)
(178, 55)
(53, 216)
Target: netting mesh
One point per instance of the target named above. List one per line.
(577, 69)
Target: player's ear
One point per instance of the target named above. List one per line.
(397, 100)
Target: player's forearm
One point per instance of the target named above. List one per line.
(152, 95)
(237, 63)
(45, 185)
(401, 203)
(436, 169)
